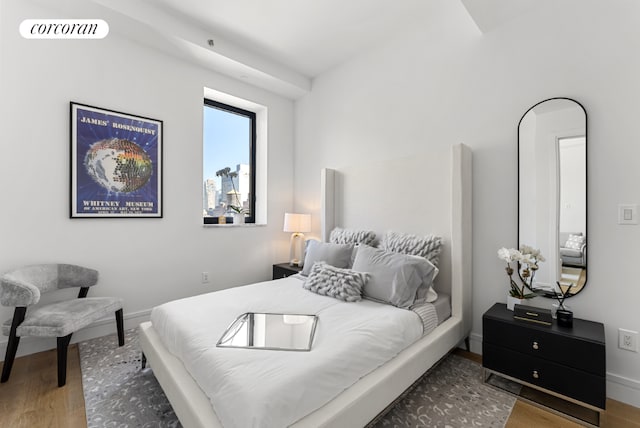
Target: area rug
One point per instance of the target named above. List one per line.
(451, 395)
(117, 393)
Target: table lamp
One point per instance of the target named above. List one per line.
(297, 224)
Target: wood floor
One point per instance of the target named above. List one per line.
(31, 399)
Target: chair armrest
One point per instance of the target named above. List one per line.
(17, 293)
(76, 276)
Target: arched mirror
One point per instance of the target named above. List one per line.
(552, 193)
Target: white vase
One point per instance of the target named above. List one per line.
(512, 301)
(238, 218)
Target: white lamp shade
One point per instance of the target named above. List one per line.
(297, 223)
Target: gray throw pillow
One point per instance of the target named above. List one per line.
(428, 246)
(394, 278)
(338, 255)
(352, 236)
(343, 284)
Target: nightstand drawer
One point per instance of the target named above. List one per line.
(540, 343)
(568, 381)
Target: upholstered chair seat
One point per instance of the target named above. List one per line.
(63, 318)
(22, 289)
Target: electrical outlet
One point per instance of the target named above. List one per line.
(628, 340)
(205, 277)
(627, 214)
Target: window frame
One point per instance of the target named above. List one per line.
(251, 218)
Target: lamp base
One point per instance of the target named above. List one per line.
(296, 249)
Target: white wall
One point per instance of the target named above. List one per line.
(144, 261)
(445, 83)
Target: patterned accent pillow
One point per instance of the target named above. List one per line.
(343, 284)
(352, 236)
(575, 242)
(428, 246)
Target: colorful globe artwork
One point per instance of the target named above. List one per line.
(118, 165)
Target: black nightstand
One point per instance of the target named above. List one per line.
(562, 368)
(283, 270)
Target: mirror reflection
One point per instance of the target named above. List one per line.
(284, 332)
(552, 192)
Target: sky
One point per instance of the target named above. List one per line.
(226, 141)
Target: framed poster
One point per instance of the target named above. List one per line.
(116, 164)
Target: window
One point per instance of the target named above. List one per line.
(229, 166)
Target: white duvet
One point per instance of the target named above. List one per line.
(265, 388)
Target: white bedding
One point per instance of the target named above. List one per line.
(262, 388)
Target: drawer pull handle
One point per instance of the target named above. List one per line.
(535, 345)
(535, 374)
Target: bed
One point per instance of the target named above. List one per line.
(345, 201)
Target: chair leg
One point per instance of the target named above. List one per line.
(12, 344)
(63, 346)
(120, 326)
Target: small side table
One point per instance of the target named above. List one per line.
(283, 270)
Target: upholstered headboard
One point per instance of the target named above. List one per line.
(422, 194)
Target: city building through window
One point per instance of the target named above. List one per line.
(229, 152)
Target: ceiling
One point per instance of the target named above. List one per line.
(309, 36)
(279, 45)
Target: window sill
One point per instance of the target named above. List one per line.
(227, 225)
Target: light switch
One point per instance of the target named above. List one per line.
(627, 214)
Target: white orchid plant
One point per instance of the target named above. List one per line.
(527, 259)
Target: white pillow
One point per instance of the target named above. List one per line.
(395, 278)
(575, 242)
(425, 292)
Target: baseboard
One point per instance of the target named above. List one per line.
(623, 389)
(475, 344)
(103, 327)
(475, 340)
